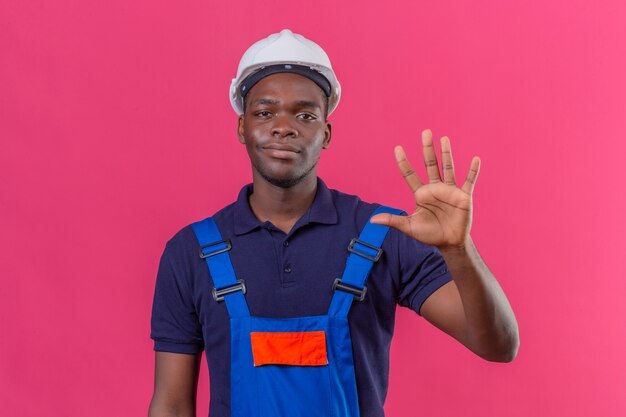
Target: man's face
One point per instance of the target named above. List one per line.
(284, 128)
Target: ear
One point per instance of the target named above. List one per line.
(328, 133)
(240, 130)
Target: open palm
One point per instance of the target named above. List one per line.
(443, 213)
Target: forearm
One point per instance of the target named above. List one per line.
(491, 329)
(175, 385)
(159, 408)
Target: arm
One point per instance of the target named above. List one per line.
(472, 308)
(175, 384)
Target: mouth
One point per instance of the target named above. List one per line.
(281, 151)
(281, 147)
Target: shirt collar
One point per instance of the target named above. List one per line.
(322, 210)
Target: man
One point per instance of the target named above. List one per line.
(285, 331)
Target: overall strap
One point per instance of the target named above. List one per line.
(364, 251)
(214, 250)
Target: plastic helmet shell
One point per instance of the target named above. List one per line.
(285, 47)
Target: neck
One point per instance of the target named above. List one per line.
(282, 206)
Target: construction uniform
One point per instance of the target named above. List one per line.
(291, 276)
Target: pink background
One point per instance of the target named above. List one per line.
(116, 131)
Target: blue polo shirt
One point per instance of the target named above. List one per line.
(291, 275)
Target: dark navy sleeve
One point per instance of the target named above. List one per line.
(422, 271)
(174, 326)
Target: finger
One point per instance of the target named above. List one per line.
(406, 169)
(472, 175)
(402, 223)
(430, 158)
(446, 161)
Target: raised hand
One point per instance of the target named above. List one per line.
(443, 213)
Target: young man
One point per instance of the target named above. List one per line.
(266, 288)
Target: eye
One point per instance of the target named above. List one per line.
(263, 114)
(307, 116)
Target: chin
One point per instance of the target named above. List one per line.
(289, 180)
(283, 182)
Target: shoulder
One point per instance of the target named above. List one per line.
(184, 243)
(351, 207)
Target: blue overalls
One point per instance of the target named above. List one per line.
(296, 367)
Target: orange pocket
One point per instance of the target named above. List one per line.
(289, 348)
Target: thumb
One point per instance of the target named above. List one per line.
(402, 223)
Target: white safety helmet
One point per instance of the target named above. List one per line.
(294, 53)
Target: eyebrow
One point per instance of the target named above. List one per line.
(299, 103)
(307, 103)
(265, 101)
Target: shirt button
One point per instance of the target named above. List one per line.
(287, 269)
(286, 243)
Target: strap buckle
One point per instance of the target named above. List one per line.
(218, 295)
(373, 258)
(358, 293)
(204, 254)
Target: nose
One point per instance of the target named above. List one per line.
(283, 128)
